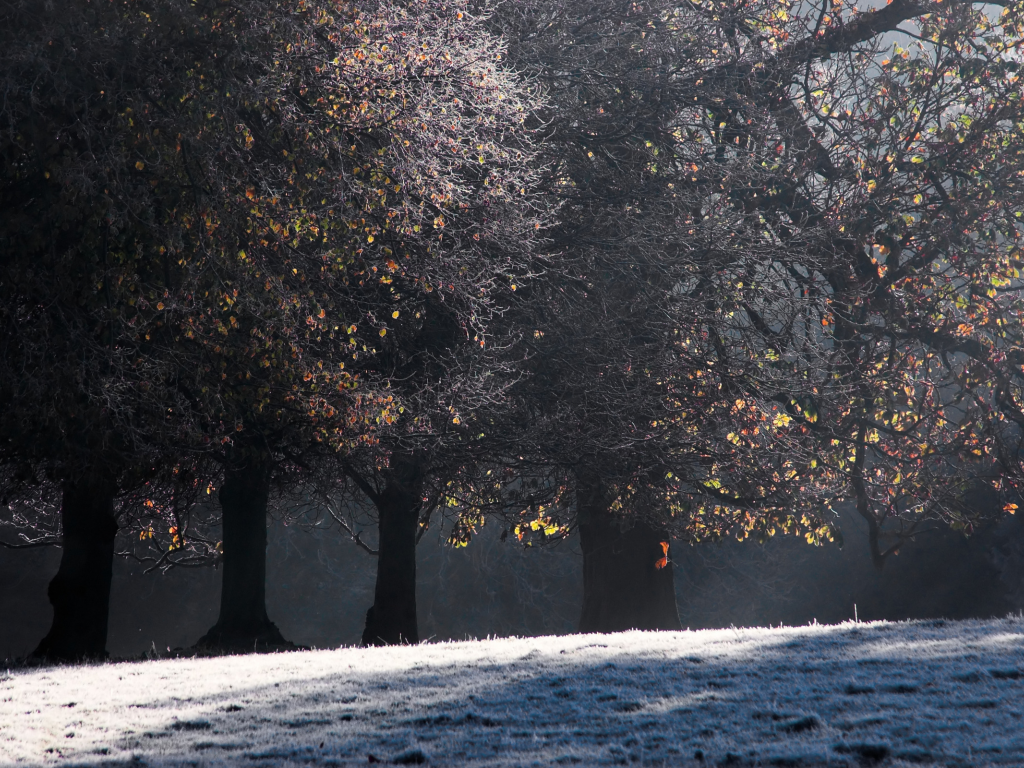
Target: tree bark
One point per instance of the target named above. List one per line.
(627, 574)
(80, 592)
(243, 624)
(391, 620)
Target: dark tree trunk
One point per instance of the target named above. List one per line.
(243, 624)
(391, 619)
(80, 592)
(627, 574)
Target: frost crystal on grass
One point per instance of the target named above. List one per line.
(922, 693)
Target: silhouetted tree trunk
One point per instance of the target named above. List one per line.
(243, 624)
(391, 619)
(627, 574)
(80, 592)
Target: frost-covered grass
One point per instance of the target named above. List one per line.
(944, 693)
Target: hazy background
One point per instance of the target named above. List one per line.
(320, 584)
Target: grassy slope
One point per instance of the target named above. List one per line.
(920, 693)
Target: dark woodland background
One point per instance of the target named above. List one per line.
(319, 585)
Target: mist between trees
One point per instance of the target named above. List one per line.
(638, 275)
(319, 586)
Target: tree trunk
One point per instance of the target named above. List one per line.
(80, 592)
(243, 624)
(391, 620)
(627, 574)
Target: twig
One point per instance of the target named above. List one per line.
(33, 544)
(354, 535)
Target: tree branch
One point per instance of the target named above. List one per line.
(354, 535)
(33, 544)
(360, 481)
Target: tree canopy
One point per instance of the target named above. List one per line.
(701, 270)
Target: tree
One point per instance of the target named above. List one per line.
(903, 165)
(712, 190)
(462, 153)
(84, 408)
(637, 359)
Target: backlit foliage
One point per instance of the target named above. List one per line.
(888, 176)
(275, 198)
(801, 267)
(781, 265)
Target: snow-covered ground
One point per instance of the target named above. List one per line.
(944, 693)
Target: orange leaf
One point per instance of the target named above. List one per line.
(662, 561)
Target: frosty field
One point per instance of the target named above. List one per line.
(942, 693)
